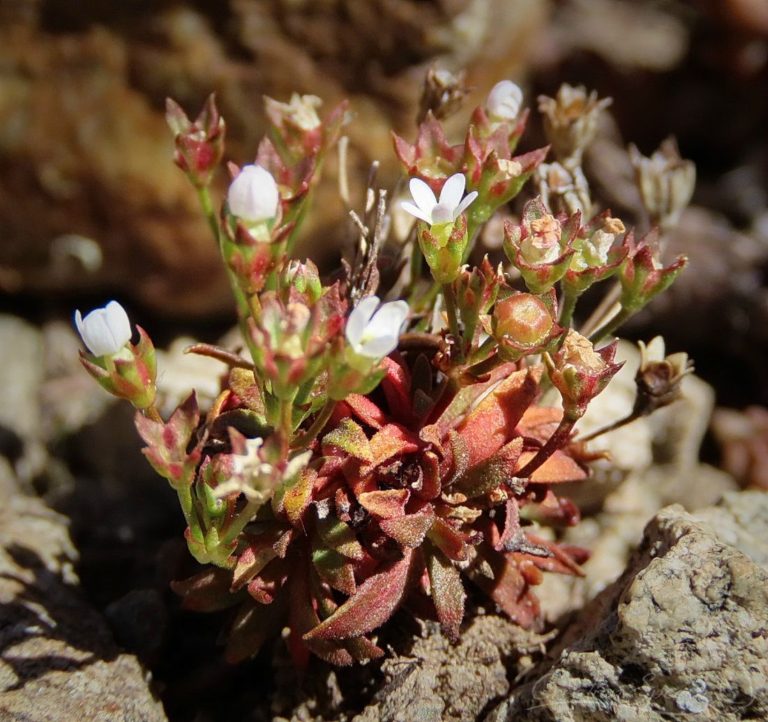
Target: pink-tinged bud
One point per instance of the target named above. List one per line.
(642, 275)
(541, 246)
(253, 195)
(579, 372)
(199, 145)
(504, 101)
(524, 324)
(130, 371)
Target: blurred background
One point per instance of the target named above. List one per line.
(92, 207)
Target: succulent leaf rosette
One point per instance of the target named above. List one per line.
(376, 450)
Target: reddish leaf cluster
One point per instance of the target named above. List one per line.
(406, 495)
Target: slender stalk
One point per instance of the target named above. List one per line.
(453, 319)
(558, 439)
(569, 305)
(628, 419)
(206, 203)
(185, 501)
(611, 325)
(240, 521)
(154, 414)
(316, 427)
(606, 308)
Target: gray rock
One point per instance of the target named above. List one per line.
(58, 662)
(441, 682)
(684, 631)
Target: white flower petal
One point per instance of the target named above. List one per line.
(453, 190)
(415, 211)
(358, 320)
(422, 194)
(379, 347)
(465, 203)
(253, 195)
(388, 320)
(104, 330)
(504, 100)
(118, 322)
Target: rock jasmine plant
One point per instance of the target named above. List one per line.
(370, 453)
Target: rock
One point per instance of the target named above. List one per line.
(438, 681)
(683, 631)
(58, 661)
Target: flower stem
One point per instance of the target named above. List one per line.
(558, 439)
(240, 521)
(628, 419)
(569, 305)
(453, 319)
(611, 325)
(316, 427)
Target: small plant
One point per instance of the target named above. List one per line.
(366, 455)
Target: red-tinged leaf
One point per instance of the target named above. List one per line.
(350, 438)
(258, 552)
(341, 538)
(373, 604)
(167, 443)
(430, 482)
(449, 416)
(447, 592)
(265, 587)
(297, 496)
(557, 468)
(453, 543)
(253, 625)
(390, 441)
(396, 385)
(334, 569)
(385, 504)
(409, 530)
(363, 649)
(491, 473)
(366, 410)
(512, 529)
(493, 422)
(539, 422)
(207, 591)
(509, 590)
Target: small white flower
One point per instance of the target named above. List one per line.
(104, 330)
(375, 333)
(504, 100)
(253, 195)
(447, 209)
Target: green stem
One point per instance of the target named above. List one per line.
(185, 501)
(316, 427)
(611, 325)
(569, 305)
(206, 203)
(240, 521)
(453, 319)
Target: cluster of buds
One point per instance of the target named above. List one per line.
(364, 453)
